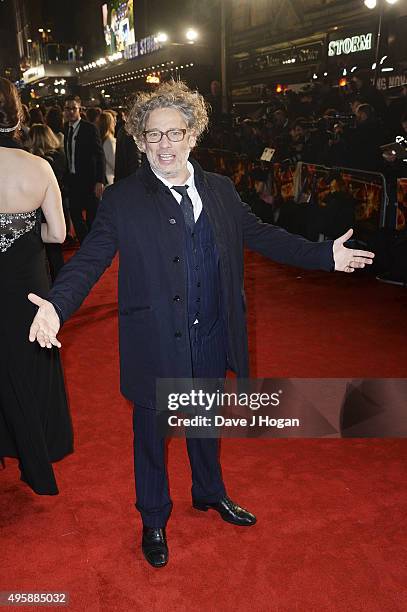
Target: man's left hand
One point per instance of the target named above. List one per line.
(99, 187)
(348, 260)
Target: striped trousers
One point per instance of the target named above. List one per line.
(152, 494)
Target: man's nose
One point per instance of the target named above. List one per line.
(165, 142)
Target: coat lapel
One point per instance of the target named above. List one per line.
(214, 208)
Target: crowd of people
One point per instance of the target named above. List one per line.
(332, 126)
(354, 126)
(89, 148)
(48, 140)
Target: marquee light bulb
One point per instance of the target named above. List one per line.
(191, 34)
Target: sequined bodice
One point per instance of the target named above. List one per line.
(15, 225)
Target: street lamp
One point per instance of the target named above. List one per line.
(371, 4)
(162, 37)
(191, 34)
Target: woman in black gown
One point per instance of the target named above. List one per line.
(35, 425)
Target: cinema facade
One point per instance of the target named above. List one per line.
(327, 42)
(143, 65)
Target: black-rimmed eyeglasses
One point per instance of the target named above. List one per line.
(175, 135)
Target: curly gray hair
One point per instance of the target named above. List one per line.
(174, 94)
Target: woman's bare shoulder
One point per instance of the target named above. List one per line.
(19, 159)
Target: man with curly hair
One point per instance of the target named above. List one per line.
(180, 233)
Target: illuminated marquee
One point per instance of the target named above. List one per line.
(32, 74)
(118, 25)
(142, 47)
(353, 44)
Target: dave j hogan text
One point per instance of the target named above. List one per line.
(256, 420)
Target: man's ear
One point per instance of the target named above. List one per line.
(140, 144)
(192, 140)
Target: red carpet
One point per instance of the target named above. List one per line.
(331, 532)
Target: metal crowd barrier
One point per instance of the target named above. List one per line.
(305, 188)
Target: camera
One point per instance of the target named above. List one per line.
(398, 148)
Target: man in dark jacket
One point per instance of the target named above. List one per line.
(127, 155)
(86, 167)
(363, 141)
(180, 233)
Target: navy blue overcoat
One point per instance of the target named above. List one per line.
(140, 219)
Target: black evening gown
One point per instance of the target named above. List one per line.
(35, 425)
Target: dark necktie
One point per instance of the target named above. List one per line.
(186, 206)
(70, 136)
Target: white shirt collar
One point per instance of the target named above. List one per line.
(190, 180)
(75, 125)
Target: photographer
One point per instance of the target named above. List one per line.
(363, 88)
(395, 165)
(250, 142)
(397, 109)
(259, 197)
(280, 126)
(305, 142)
(364, 140)
(390, 155)
(337, 153)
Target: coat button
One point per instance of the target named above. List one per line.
(176, 259)
(198, 284)
(172, 221)
(178, 334)
(176, 298)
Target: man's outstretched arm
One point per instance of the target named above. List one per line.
(283, 247)
(77, 277)
(348, 260)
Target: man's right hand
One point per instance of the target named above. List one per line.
(46, 324)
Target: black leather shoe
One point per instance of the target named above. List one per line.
(154, 546)
(228, 510)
